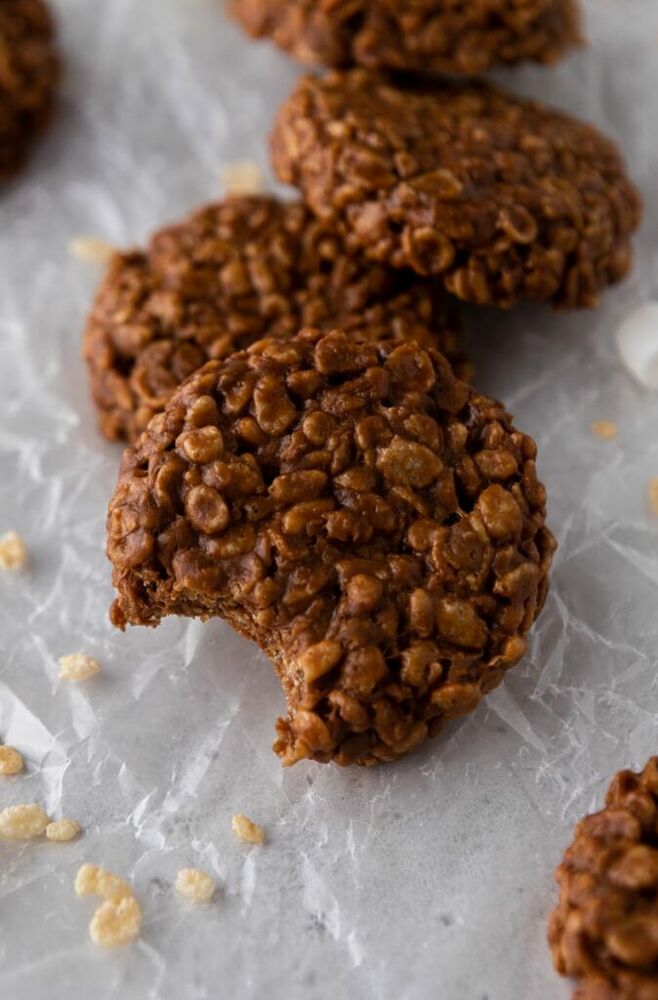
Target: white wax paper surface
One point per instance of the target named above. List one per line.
(430, 878)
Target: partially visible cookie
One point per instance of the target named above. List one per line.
(375, 524)
(604, 931)
(232, 273)
(500, 197)
(29, 72)
(447, 36)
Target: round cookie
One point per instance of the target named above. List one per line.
(372, 522)
(234, 272)
(446, 36)
(500, 197)
(29, 73)
(604, 931)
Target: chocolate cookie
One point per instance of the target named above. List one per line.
(372, 522)
(232, 273)
(604, 931)
(446, 36)
(502, 198)
(29, 72)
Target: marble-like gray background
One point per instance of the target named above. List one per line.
(429, 879)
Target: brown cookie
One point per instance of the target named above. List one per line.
(500, 197)
(446, 36)
(604, 931)
(372, 522)
(232, 273)
(29, 72)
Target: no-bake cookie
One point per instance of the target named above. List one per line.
(29, 72)
(374, 523)
(234, 272)
(500, 197)
(604, 931)
(447, 36)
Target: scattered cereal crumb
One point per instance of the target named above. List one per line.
(242, 178)
(111, 887)
(195, 885)
(11, 761)
(77, 667)
(85, 880)
(116, 922)
(653, 494)
(13, 554)
(62, 830)
(606, 429)
(246, 829)
(23, 822)
(93, 881)
(91, 248)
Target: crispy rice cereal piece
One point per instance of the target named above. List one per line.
(244, 178)
(116, 922)
(11, 761)
(445, 36)
(604, 930)
(247, 830)
(501, 198)
(195, 885)
(607, 430)
(652, 493)
(93, 881)
(375, 524)
(13, 554)
(234, 272)
(85, 880)
(62, 830)
(77, 667)
(24, 822)
(91, 248)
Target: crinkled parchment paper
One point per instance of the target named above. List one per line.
(431, 878)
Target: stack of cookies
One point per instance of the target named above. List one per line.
(308, 459)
